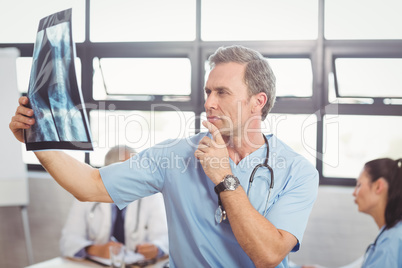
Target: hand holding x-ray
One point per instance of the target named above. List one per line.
(54, 94)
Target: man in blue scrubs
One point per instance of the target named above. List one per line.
(222, 210)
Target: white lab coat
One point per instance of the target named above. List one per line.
(90, 223)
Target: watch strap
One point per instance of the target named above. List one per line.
(220, 187)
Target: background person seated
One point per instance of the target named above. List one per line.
(92, 227)
(378, 193)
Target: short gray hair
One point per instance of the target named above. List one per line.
(258, 75)
(118, 154)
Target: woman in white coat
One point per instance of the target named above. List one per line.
(88, 229)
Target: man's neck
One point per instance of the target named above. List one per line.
(241, 147)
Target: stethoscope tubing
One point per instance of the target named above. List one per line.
(265, 164)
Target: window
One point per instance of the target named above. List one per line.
(30, 158)
(226, 20)
(377, 19)
(294, 77)
(352, 140)
(141, 76)
(299, 131)
(142, 68)
(369, 77)
(137, 129)
(23, 73)
(20, 19)
(151, 20)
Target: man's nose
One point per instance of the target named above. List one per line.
(210, 102)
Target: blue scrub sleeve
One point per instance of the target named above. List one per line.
(138, 177)
(292, 209)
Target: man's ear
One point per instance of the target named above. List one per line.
(259, 102)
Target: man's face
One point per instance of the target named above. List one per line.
(227, 103)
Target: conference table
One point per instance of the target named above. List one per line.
(61, 262)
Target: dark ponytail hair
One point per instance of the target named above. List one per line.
(391, 171)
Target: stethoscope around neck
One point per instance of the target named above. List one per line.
(372, 245)
(135, 232)
(265, 164)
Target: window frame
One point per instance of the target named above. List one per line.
(356, 49)
(321, 52)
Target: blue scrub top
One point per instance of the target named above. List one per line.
(195, 238)
(387, 250)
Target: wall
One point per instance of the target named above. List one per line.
(47, 212)
(336, 234)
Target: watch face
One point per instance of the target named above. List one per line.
(231, 183)
(218, 215)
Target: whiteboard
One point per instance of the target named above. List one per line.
(13, 171)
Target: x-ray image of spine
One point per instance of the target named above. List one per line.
(57, 117)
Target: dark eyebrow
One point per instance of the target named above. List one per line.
(218, 89)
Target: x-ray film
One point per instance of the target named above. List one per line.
(54, 94)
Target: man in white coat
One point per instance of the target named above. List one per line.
(89, 227)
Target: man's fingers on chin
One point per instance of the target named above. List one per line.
(198, 154)
(216, 134)
(211, 127)
(202, 146)
(217, 137)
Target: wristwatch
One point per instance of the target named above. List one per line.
(229, 183)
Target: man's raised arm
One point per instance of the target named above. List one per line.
(80, 179)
